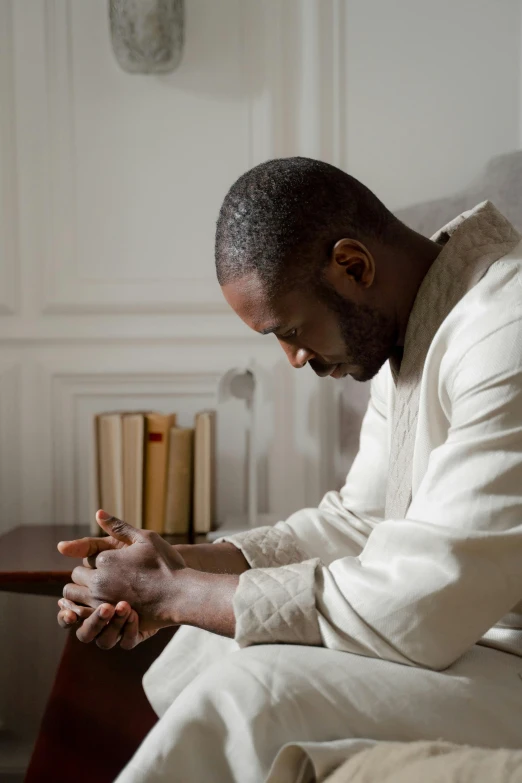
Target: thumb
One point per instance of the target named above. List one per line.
(117, 528)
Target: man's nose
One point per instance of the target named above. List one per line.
(298, 357)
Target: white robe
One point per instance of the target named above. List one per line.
(388, 595)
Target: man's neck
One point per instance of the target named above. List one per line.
(419, 255)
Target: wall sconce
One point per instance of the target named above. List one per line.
(147, 35)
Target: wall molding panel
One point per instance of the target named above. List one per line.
(276, 64)
(321, 126)
(9, 272)
(66, 291)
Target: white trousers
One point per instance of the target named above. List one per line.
(290, 714)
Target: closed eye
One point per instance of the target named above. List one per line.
(289, 335)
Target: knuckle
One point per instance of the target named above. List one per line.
(118, 527)
(102, 559)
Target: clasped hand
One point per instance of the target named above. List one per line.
(127, 587)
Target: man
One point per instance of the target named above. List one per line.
(392, 610)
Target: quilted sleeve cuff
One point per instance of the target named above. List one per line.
(277, 605)
(267, 546)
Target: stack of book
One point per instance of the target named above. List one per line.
(156, 475)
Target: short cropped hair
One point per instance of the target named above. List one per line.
(293, 207)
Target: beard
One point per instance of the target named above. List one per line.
(369, 335)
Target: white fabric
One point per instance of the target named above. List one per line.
(409, 597)
(291, 714)
(422, 589)
(471, 243)
(290, 591)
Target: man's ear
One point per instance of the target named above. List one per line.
(352, 259)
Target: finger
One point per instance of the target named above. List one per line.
(113, 631)
(101, 559)
(130, 636)
(87, 547)
(91, 561)
(83, 612)
(94, 624)
(66, 619)
(82, 576)
(80, 595)
(117, 528)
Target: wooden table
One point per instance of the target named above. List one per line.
(30, 562)
(97, 700)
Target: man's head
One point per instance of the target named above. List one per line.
(302, 251)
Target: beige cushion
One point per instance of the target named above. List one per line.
(429, 762)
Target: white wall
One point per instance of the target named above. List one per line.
(115, 184)
(110, 184)
(433, 92)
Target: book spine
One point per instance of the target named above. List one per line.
(204, 472)
(179, 482)
(95, 529)
(156, 439)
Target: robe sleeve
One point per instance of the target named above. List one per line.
(425, 588)
(343, 520)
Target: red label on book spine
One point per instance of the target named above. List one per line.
(156, 436)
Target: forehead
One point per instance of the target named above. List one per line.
(248, 298)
